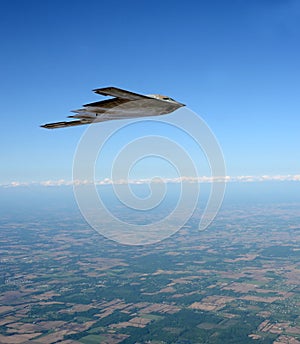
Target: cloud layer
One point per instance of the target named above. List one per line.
(183, 179)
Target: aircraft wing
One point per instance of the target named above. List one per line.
(103, 105)
(119, 93)
(65, 124)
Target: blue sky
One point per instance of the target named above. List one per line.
(235, 63)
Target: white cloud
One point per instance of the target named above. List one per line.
(16, 184)
(182, 179)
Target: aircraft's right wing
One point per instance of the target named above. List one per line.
(119, 93)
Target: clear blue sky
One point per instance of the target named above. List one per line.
(235, 63)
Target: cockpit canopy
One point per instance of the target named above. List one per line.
(161, 97)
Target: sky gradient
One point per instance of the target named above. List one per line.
(235, 63)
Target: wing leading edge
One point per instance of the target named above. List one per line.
(119, 93)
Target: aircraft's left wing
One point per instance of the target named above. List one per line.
(65, 124)
(119, 93)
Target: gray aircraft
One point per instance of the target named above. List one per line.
(125, 105)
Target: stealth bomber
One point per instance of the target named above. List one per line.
(124, 105)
